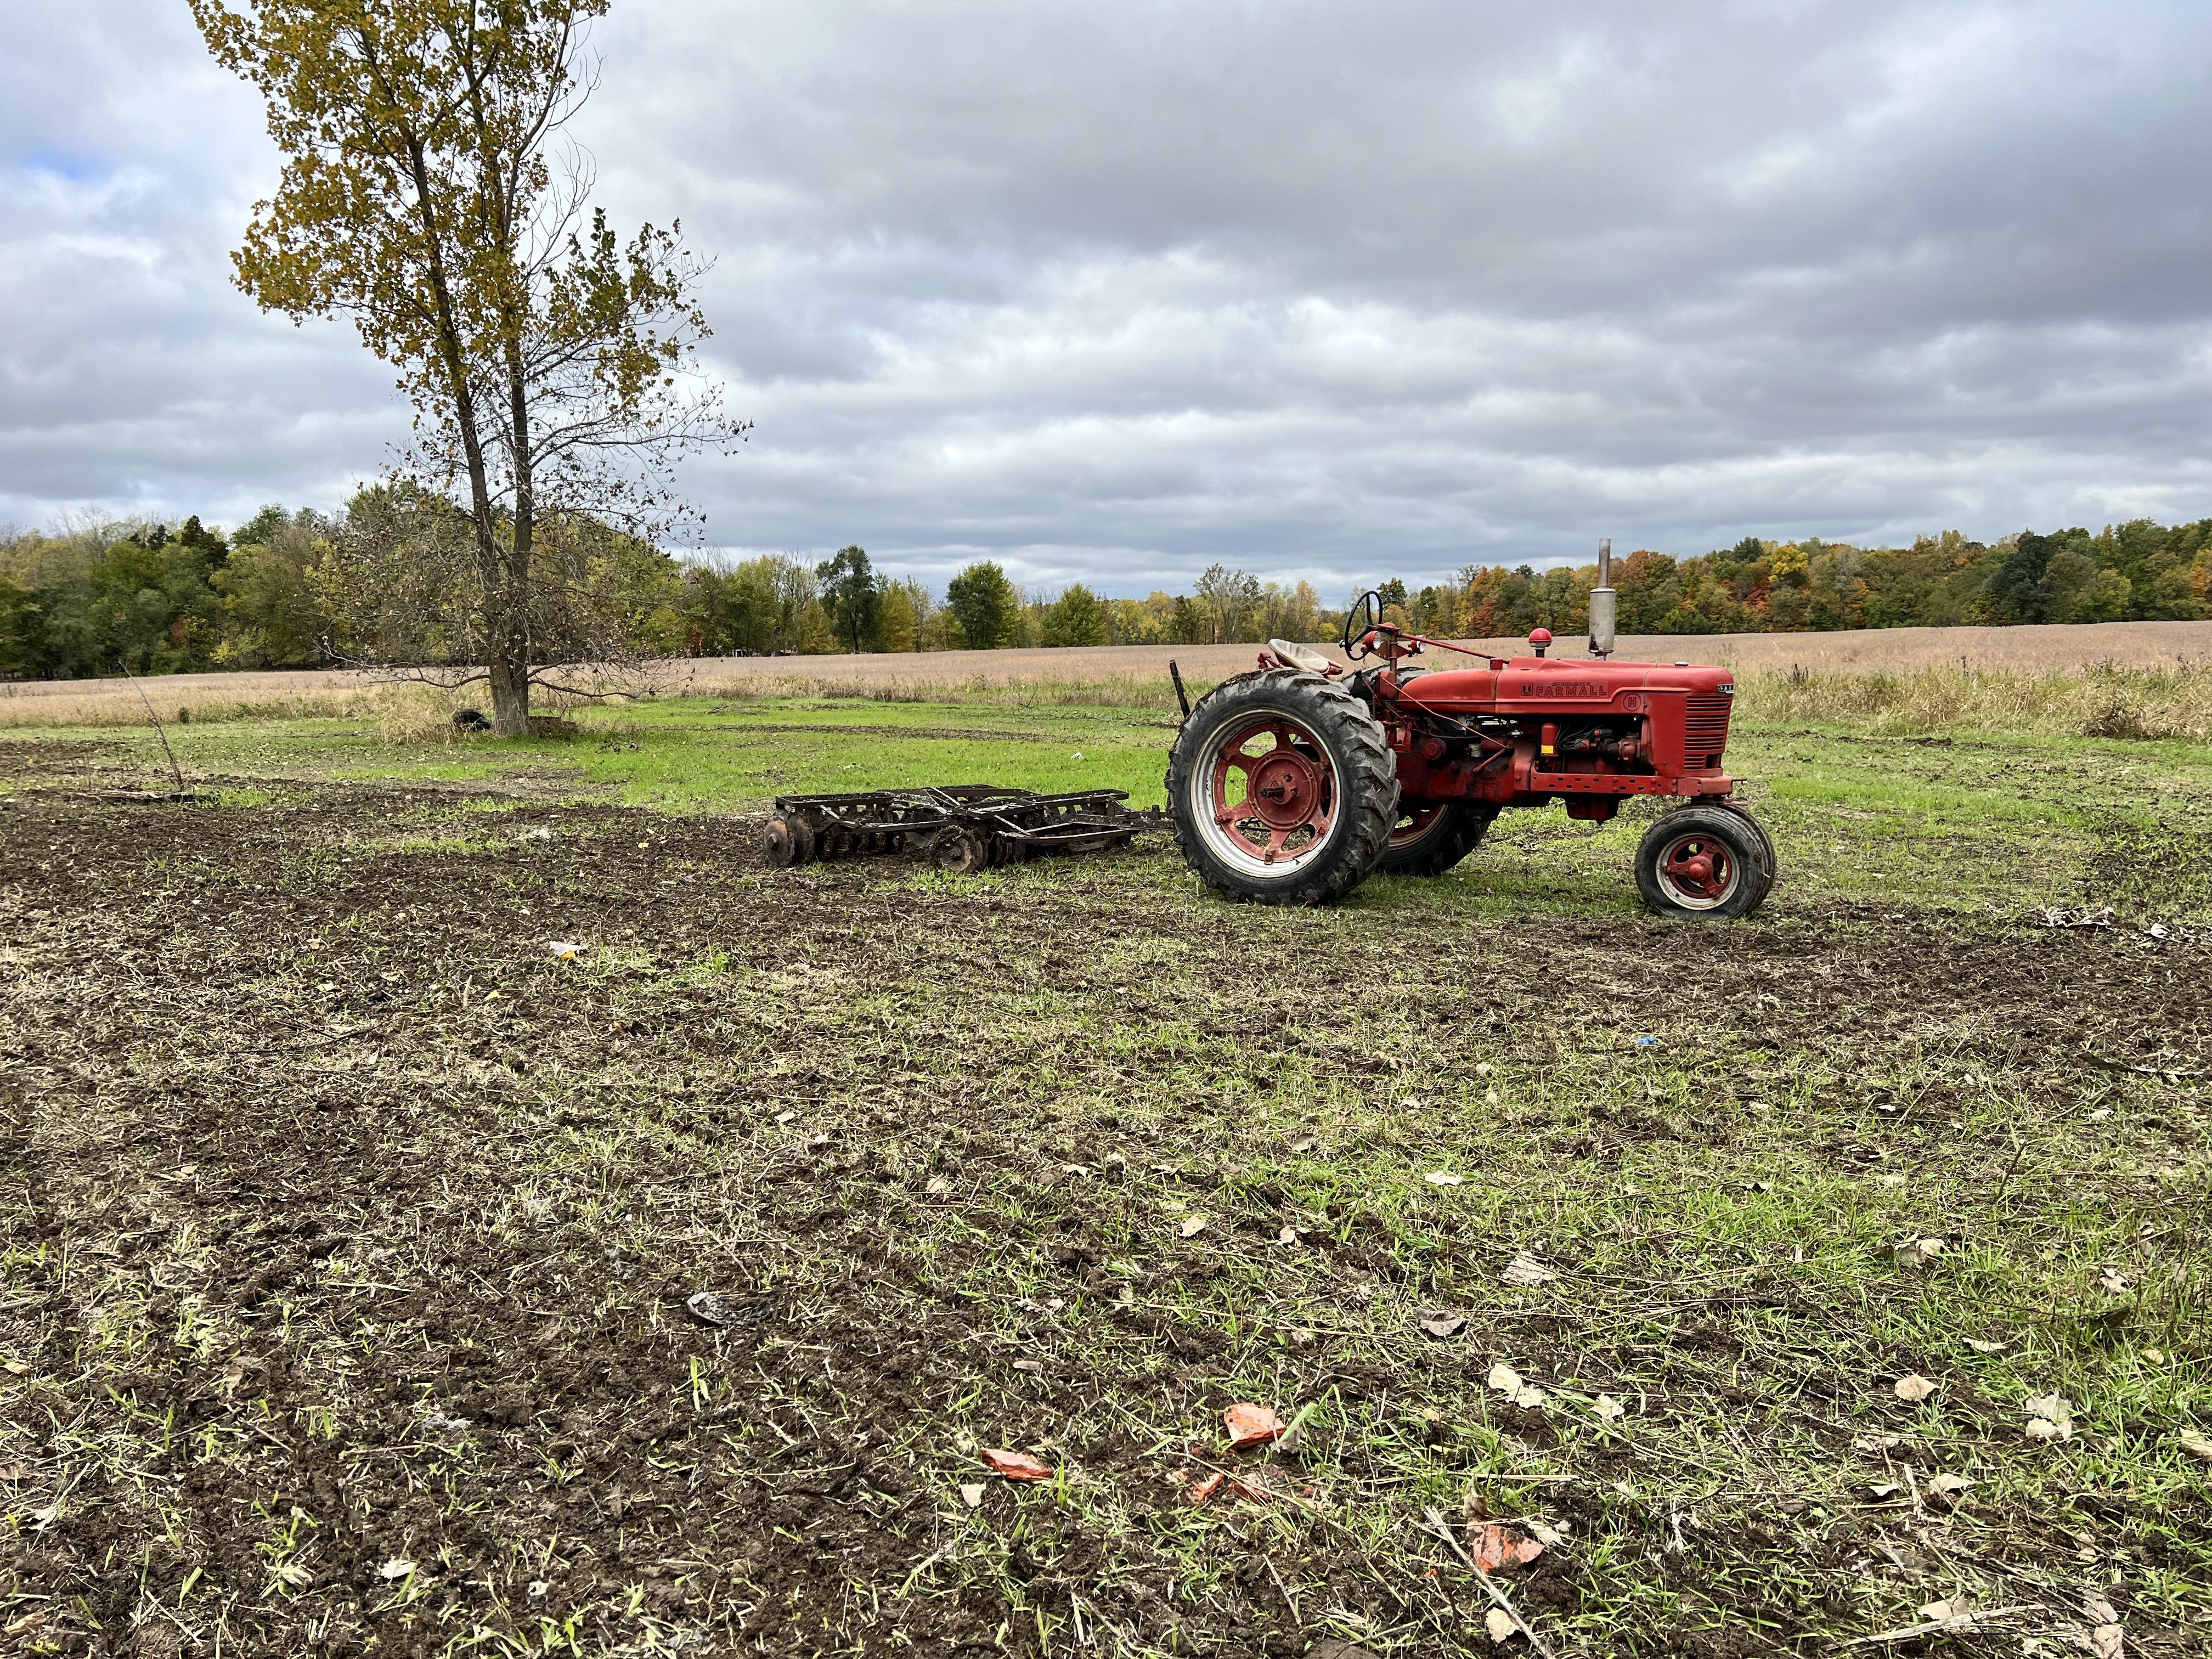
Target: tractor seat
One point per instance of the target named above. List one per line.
(1299, 656)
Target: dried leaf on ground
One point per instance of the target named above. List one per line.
(1438, 1322)
(1015, 1466)
(1507, 1381)
(1192, 1226)
(2112, 1282)
(1607, 1408)
(293, 1572)
(2108, 1642)
(1949, 1485)
(1443, 1178)
(1914, 1387)
(1500, 1623)
(1249, 1425)
(1525, 1269)
(1206, 1485)
(1979, 1345)
(1498, 1549)
(2196, 1445)
(397, 1567)
(2050, 1416)
(1918, 1251)
(939, 1186)
(1288, 1236)
(972, 1494)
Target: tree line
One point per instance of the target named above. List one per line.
(392, 580)
(2134, 572)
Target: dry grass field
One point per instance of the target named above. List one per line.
(1128, 672)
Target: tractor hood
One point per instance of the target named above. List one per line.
(1533, 683)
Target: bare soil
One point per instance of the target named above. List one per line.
(351, 1297)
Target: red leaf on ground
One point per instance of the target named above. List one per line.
(1016, 1466)
(1202, 1490)
(1250, 1426)
(1496, 1548)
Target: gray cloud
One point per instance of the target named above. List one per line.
(1113, 291)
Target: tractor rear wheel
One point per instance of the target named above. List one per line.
(1431, 838)
(1704, 863)
(1281, 789)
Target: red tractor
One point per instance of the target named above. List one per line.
(1291, 784)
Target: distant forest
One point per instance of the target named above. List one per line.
(89, 597)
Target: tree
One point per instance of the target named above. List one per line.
(850, 594)
(1076, 617)
(1230, 599)
(984, 603)
(423, 198)
(401, 586)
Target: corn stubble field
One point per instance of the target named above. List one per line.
(1836, 1274)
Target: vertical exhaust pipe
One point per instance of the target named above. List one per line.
(1602, 611)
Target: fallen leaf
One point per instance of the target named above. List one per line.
(2112, 1282)
(1980, 1346)
(939, 1186)
(1015, 1466)
(1192, 1226)
(1948, 1485)
(1543, 1532)
(19, 1368)
(972, 1494)
(709, 1308)
(1443, 1178)
(1914, 1387)
(1917, 1252)
(1250, 1426)
(1436, 1322)
(1507, 1381)
(397, 1567)
(2052, 1407)
(1607, 1408)
(2108, 1642)
(1500, 1623)
(2042, 1428)
(1305, 1146)
(1202, 1489)
(1525, 1269)
(1496, 1548)
(2153, 1356)
(1288, 1236)
(295, 1573)
(1875, 1442)
(2197, 1445)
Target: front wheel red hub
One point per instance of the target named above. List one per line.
(1270, 794)
(1698, 871)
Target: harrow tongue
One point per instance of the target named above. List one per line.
(960, 828)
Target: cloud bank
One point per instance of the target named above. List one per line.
(1109, 292)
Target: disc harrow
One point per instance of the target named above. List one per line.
(961, 828)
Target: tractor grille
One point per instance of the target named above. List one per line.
(1706, 731)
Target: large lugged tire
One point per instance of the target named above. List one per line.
(1281, 789)
(1704, 863)
(1428, 841)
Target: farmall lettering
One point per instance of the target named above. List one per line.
(1291, 785)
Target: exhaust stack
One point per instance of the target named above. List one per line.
(1602, 611)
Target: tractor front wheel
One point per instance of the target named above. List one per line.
(1431, 838)
(1704, 863)
(1281, 789)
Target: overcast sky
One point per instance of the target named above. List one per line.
(1111, 291)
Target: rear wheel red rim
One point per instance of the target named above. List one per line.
(1269, 793)
(1698, 871)
(1414, 822)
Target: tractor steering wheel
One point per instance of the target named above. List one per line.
(1370, 606)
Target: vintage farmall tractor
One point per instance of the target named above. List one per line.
(1292, 784)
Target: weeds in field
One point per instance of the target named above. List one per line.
(2106, 702)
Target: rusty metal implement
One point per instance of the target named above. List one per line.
(960, 827)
